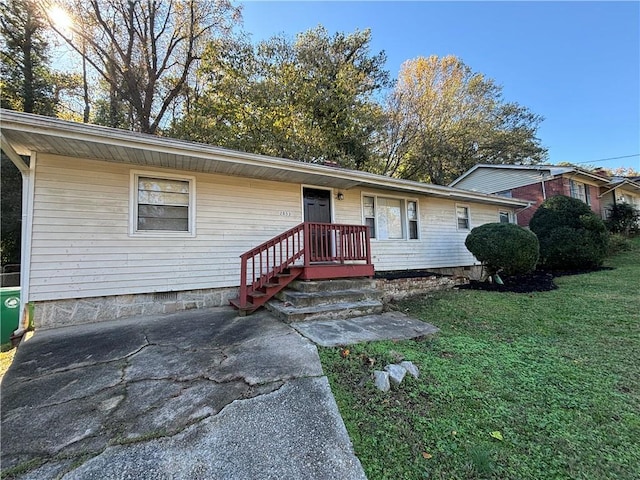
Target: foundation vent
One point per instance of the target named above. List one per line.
(165, 296)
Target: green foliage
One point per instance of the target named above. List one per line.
(623, 218)
(528, 366)
(571, 236)
(504, 247)
(26, 79)
(442, 118)
(619, 243)
(10, 218)
(309, 99)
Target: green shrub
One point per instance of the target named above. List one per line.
(571, 236)
(504, 247)
(618, 243)
(623, 218)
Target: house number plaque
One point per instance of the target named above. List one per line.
(285, 214)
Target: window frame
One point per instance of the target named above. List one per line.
(404, 213)
(576, 188)
(468, 217)
(135, 175)
(509, 216)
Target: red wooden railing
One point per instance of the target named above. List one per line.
(303, 245)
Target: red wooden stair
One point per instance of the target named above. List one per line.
(307, 251)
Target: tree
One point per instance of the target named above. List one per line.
(27, 81)
(571, 236)
(27, 84)
(11, 218)
(144, 50)
(442, 118)
(309, 99)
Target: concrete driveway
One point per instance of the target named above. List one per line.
(195, 395)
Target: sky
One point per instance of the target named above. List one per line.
(577, 64)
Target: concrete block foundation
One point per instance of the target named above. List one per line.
(76, 311)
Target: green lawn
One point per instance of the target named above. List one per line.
(557, 374)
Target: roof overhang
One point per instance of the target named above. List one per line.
(27, 133)
(584, 175)
(627, 185)
(549, 171)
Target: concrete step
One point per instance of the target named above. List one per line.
(310, 299)
(338, 310)
(333, 285)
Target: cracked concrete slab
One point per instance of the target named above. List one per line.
(369, 328)
(170, 361)
(267, 359)
(201, 394)
(298, 423)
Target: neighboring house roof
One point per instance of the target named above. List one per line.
(24, 133)
(622, 184)
(498, 178)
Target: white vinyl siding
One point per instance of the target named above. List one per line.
(82, 245)
(440, 243)
(493, 180)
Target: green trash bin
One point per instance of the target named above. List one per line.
(9, 312)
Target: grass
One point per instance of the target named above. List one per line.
(6, 358)
(515, 386)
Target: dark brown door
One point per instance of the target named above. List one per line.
(317, 209)
(317, 205)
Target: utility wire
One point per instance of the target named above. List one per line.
(607, 159)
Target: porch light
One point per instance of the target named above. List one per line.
(340, 196)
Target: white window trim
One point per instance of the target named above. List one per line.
(509, 215)
(573, 192)
(463, 205)
(133, 204)
(405, 216)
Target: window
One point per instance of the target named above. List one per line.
(412, 218)
(390, 218)
(505, 216)
(505, 193)
(369, 213)
(463, 217)
(580, 191)
(162, 204)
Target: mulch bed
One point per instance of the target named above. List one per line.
(396, 274)
(538, 281)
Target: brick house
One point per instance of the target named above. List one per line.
(536, 183)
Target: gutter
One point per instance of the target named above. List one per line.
(46, 126)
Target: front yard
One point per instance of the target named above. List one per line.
(515, 386)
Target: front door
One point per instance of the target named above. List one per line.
(317, 209)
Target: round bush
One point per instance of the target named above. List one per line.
(571, 236)
(504, 247)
